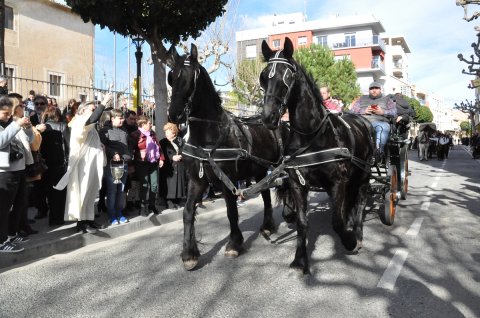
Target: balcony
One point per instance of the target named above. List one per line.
(377, 68)
(374, 41)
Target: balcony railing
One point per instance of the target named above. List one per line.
(374, 40)
(375, 64)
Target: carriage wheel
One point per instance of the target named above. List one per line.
(388, 216)
(403, 174)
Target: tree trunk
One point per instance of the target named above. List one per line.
(161, 97)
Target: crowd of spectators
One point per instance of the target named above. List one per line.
(61, 162)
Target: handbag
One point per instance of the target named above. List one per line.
(38, 166)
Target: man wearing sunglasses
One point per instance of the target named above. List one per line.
(40, 103)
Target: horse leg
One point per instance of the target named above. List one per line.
(300, 262)
(360, 204)
(268, 226)
(234, 245)
(190, 253)
(342, 220)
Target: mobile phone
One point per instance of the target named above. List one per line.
(26, 113)
(374, 106)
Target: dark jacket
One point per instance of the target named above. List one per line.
(115, 140)
(173, 177)
(54, 147)
(403, 108)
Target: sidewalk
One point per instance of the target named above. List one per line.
(53, 240)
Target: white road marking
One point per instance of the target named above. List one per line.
(415, 227)
(393, 270)
(425, 206)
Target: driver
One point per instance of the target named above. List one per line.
(376, 107)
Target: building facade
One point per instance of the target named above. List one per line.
(356, 38)
(48, 49)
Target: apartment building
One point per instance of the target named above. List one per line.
(356, 38)
(48, 49)
(396, 79)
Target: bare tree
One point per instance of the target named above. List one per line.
(215, 43)
(471, 109)
(475, 15)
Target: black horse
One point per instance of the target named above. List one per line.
(324, 150)
(221, 149)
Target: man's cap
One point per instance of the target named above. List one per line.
(375, 84)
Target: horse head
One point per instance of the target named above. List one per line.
(277, 79)
(183, 80)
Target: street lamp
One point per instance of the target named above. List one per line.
(138, 41)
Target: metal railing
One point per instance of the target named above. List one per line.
(359, 42)
(77, 90)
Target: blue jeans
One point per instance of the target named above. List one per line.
(115, 194)
(382, 131)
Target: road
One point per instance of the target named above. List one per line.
(426, 265)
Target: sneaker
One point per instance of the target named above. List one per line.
(114, 222)
(8, 247)
(123, 220)
(18, 239)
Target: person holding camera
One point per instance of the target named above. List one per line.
(13, 182)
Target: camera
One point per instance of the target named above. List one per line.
(15, 152)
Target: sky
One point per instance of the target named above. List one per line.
(434, 30)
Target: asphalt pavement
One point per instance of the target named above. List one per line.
(53, 240)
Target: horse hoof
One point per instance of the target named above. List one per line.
(231, 253)
(266, 232)
(297, 271)
(190, 264)
(359, 245)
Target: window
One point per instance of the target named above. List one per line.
(322, 40)
(251, 51)
(55, 82)
(9, 73)
(302, 40)
(349, 39)
(8, 18)
(276, 43)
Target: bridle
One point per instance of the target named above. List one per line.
(188, 104)
(288, 79)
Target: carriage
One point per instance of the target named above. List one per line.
(389, 179)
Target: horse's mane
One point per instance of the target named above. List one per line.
(310, 83)
(205, 80)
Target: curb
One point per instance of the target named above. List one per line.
(66, 239)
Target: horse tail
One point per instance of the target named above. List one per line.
(283, 195)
